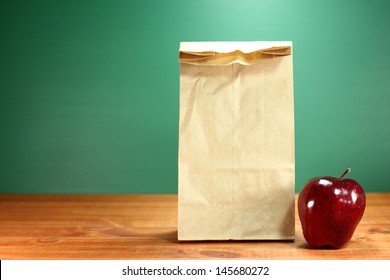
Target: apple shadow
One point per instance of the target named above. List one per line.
(306, 246)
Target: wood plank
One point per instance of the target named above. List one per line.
(145, 227)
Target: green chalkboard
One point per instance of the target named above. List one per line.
(90, 89)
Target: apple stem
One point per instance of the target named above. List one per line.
(345, 173)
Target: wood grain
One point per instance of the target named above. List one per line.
(145, 227)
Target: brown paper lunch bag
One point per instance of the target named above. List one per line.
(236, 141)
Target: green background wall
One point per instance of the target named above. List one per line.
(89, 90)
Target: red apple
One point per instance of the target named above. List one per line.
(330, 210)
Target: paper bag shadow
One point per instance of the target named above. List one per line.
(172, 237)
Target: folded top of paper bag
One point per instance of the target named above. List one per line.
(225, 53)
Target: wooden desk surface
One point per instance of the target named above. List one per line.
(145, 227)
